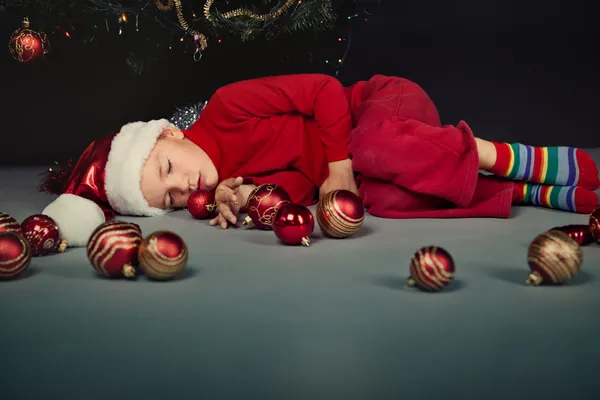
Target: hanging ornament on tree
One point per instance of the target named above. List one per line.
(554, 258)
(262, 205)
(43, 235)
(340, 214)
(201, 204)
(431, 269)
(579, 233)
(163, 255)
(594, 224)
(185, 117)
(113, 249)
(294, 224)
(15, 255)
(9, 224)
(27, 45)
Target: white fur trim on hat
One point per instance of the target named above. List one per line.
(128, 152)
(76, 217)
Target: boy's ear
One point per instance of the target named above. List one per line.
(172, 132)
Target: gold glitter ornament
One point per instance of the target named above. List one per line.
(554, 258)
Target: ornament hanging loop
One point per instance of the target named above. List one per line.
(197, 54)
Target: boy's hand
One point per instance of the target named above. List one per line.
(340, 176)
(228, 199)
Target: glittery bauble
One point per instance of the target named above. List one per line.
(595, 224)
(9, 224)
(579, 233)
(262, 205)
(43, 235)
(554, 258)
(26, 45)
(113, 249)
(15, 255)
(163, 255)
(340, 213)
(431, 269)
(201, 204)
(294, 224)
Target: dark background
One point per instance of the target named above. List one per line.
(514, 71)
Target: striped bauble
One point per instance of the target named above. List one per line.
(554, 258)
(340, 213)
(9, 224)
(594, 224)
(113, 249)
(163, 255)
(431, 269)
(15, 255)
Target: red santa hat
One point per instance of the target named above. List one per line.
(106, 181)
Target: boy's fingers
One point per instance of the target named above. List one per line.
(214, 221)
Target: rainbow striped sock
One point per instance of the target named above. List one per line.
(567, 198)
(564, 166)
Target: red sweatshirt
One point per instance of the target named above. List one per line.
(281, 129)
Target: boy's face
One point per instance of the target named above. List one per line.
(175, 168)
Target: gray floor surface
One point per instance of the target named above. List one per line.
(253, 319)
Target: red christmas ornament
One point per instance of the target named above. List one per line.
(113, 249)
(595, 224)
(262, 205)
(26, 45)
(9, 224)
(553, 258)
(163, 255)
(431, 269)
(201, 204)
(294, 224)
(43, 235)
(15, 255)
(340, 213)
(579, 233)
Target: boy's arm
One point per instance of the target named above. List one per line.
(316, 96)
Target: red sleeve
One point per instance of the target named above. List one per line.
(301, 190)
(316, 96)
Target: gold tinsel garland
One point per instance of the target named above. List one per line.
(167, 5)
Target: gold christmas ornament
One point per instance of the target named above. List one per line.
(554, 258)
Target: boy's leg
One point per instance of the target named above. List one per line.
(567, 198)
(556, 165)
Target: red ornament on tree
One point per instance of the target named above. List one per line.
(26, 45)
(113, 249)
(554, 258)
(43, 235)
(595, 224)
(201, 204)
(294, 224)
(9, 224)
(15, 255)
(262, 205)
(163, 255)
(579, 233)
(431, 269)
(340, 214)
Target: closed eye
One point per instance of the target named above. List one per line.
(170, 167)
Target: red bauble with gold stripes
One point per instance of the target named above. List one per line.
(9, 224)
(431, 269)
(43, 235)
(15, 255)
(163, 255)
(113, 249)
(595, 224)
(262, 205)
(582, 234)
(340, 214)
(554, 258)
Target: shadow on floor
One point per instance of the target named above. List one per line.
(399, 283)
(519, 276)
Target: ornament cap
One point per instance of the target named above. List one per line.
(535, 279)
(411, 282)
(62, 246)
(248, 221)
(305, 241)
(128, 271)
(25, 22)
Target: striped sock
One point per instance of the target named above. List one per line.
(567, 198)
(564, 166)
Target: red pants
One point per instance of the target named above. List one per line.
(410, 166)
